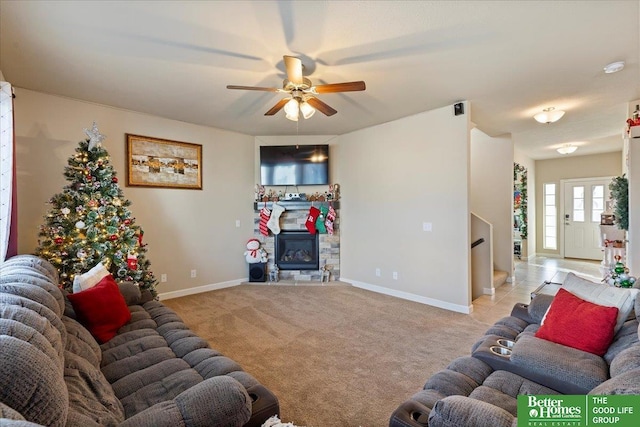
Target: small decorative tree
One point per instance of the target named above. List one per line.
(89, 222)
(619, 187)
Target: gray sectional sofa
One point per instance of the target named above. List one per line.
(509, 360)
(154, 372)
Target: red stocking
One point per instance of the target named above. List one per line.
(311, 219)
(265, 214)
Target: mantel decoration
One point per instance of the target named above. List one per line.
(619, 187)
(520, 199)
(619, 275)
(155, 162)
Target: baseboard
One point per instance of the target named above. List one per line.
(409, 296)
(489, 291)
(201, 289)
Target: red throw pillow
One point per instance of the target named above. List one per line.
(101, 309)
(580, 324)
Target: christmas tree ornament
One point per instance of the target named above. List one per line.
(132, 262)
(80, 225)
(274, 219)
(95, 137)
(114, 180)
(65, 211)
(310, 223)
(58, 240)
(265, 214)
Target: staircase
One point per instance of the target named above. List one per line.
(499, 278)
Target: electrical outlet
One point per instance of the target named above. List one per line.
(237, 223)
(163, 278)
(426, 226)
(193, 274)
(395, 275)
(378, 272)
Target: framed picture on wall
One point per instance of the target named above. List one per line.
(155, 162)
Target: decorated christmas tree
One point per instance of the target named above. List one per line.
(89, 222)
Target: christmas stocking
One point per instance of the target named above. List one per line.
(311, 219)
(274, 220)
(331, 217)
(320, 221)
(265, 214)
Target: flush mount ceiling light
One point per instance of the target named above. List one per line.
(614, 67)
(549, 115)
(567, 149)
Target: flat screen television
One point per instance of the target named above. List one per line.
(294, 165)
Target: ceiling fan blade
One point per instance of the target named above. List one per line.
(321, 106)
(265, 89)
(341, 87)
(294, 69)
(277, 107)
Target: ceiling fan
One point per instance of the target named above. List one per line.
(302, 92)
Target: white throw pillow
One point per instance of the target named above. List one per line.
(609, 296)
(90, 278)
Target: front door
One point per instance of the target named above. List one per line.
(584, 201)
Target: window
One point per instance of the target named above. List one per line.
(550, 240)
(578, 203)
(597, 202)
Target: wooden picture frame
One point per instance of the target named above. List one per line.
(156, 162)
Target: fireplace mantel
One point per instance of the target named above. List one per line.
(295, 205)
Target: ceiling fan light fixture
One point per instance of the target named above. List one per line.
(291, 110)
(567, 149)
(307, 110)
(549, 115)
(614, 67)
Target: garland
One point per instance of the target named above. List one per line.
(520, 183)
(619, 187)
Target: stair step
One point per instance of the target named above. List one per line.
(499, 278)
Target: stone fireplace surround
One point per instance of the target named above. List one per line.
(293, 219)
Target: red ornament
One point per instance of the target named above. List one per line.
(114, 179)
(58, 240)
(132, 261)
(127, 221)
(113, 237)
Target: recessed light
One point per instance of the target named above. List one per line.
(614, 67)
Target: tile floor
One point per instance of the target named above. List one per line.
(528, 276)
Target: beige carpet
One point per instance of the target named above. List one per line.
(334, 355)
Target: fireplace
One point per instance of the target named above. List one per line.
(297, 250)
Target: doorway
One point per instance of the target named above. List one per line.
(582, 202)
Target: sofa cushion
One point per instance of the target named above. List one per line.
(18, 274)
(34, 293)
(42, 395)
(610, 296)
(625, 383)
(32, 261)
(561, 368)
(456, 411)
(89, 279)
(89, 392)
(580, 324)
(81, 342)
(102, 309)
(40, 324)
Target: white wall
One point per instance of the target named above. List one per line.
(184, 229)
(393, 177)
(523, 160)
(491, 192)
